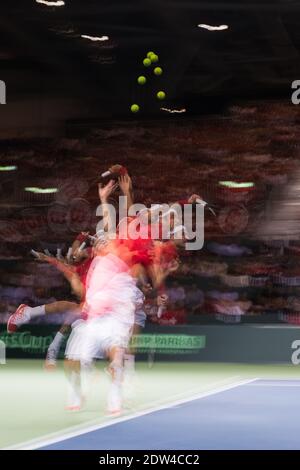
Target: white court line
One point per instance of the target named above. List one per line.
(276, 327)
(275, 385)
(36, 444)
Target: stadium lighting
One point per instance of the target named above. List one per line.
(41, 190)
(95, 38)
(174, 111)
(8, 168)
(221, 27)
(234, 184)
(58, 3)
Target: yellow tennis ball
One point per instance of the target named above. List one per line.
(147, 62)
(161, 95)
(149, 54)
(135, 108)
(154, 58)
(142, 80)
(158, 71)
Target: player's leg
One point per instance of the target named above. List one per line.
(54, 347)
(110, 337)
(129, 356)
(74, 396)
(24, 313)
(73, 367)
(114, 400)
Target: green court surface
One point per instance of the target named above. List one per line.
(32, 400)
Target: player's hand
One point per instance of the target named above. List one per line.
(79, 255)
(125, 183)
(162, 300)
(115, 168)
(85, 234)
(50, 366)
(107, 190)
(193, 198)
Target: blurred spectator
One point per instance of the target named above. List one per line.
(176, 293)
(194, 297)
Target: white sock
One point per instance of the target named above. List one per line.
(129, 385)
(87, 370)
(35, 311)
(57, 340)
(74, 389)
(114, 401)
(129, 363)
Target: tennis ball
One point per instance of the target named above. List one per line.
(141, 80)
(135, 108)
(147, 62)
(153, 58)
(161, 95)
(150, 54)
(158, 71)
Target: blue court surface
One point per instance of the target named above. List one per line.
(260, 414)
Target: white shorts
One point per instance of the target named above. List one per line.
(73, 347)
(94, 338)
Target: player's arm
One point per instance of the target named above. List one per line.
(69, 273)
(159, 272)
(104, 193)
(62, 266)
(125, 184)
(76, 249)
(164, 262)
(190, 200)
(72, 277)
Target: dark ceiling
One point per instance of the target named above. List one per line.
(42, 53)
